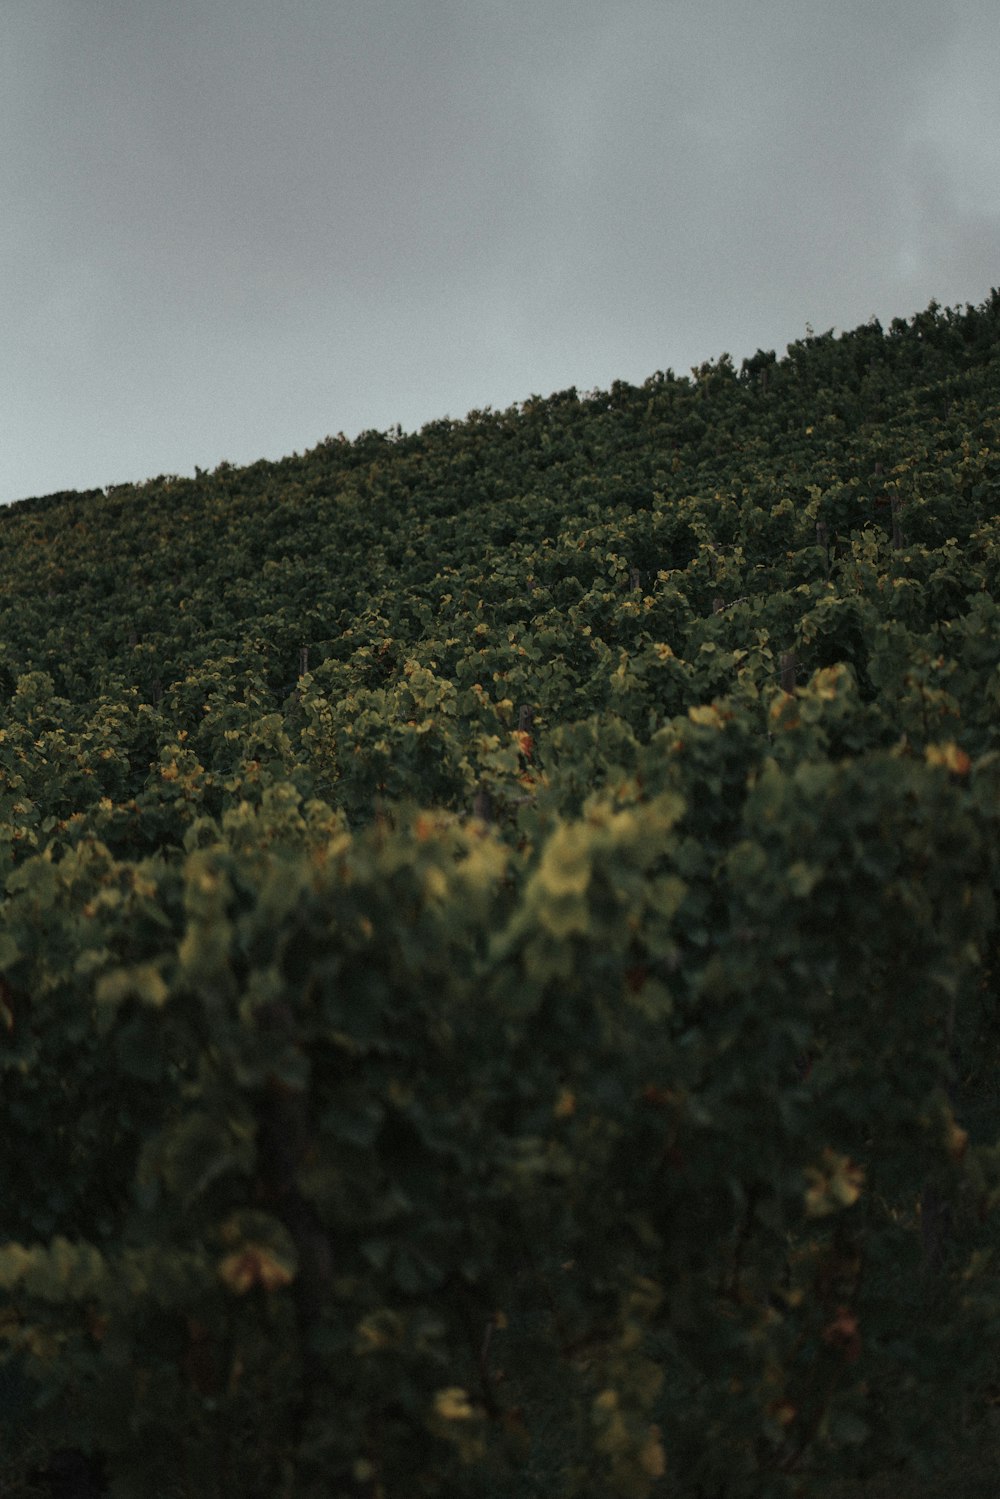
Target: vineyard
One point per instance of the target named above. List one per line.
(499, 948)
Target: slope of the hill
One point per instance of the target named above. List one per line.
(639, 550)
(499, 946)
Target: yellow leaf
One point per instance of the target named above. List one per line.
(453, 1404)
(652, 1458)
(254, 1265)
(435, 883)
(836, 1185)
(565, 1104)
(565, 862)
(709, 715)
(950, 756)
(826, 682)
(957, 1140)
(15, 1262)
(380, 1330)
(142, 982)
(783, 711)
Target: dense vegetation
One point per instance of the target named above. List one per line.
(499, 945)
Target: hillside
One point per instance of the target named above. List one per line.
(531, 548)
(499, 948)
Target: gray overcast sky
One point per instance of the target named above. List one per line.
(229, 228)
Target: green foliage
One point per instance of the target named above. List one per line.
(499, 946)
